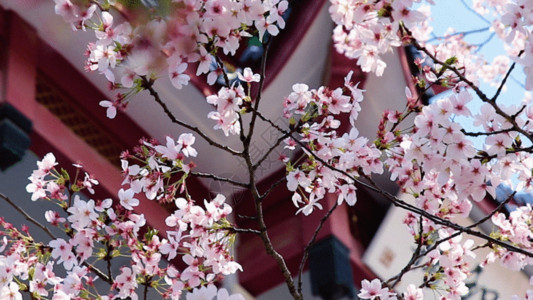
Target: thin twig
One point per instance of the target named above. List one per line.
(311, 242)
(483, 133)
(463, 33)
(28, 217)
(242, 230)
(218, 178)
(273, 186)
(507, 151)
(267, 153)
(504, 80)
(224, 73)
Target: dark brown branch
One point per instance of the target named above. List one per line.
(272, 187)
(218, 178)
(507, 151)
(505, 79)
(242, 230)
(263, 229)
(265, 238)
(224, 74)
(146, 285)
(481, 133)
(28, 217)
(402, 204)
(310, 243)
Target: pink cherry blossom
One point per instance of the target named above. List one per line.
(81, 213)
(126, 199)
(248, 76)
(372, 290)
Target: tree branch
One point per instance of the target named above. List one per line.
(257, 196)
(28, 217)
(242, 230)
(463, 33)
(505, 79)
(263, 229)
(311, 242)
(218, 178)
(481, 133)
(402, 204)
(272, 187)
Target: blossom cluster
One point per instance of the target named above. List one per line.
(438, 164)
(48, 182)
(98, 232)
(231, 102)
(152, 164)
(366, 30)
(517, 229)
(168, 42)
(438, 156)
(316, 116)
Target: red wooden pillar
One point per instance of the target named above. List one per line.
(17, 78)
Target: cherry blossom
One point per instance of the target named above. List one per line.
(372, 290)
(81, 213)
(126, 199)
(249, 76)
